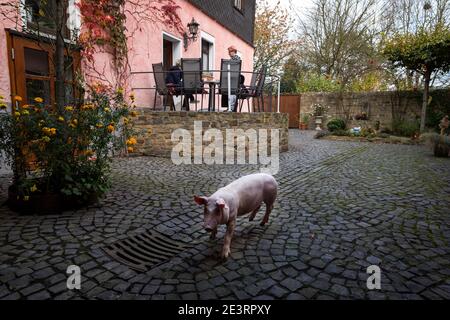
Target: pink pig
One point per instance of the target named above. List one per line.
(239, 198)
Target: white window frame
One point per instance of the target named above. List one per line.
(177, 50)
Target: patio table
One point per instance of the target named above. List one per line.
(212, 93)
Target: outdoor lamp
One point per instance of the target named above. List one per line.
(193, 31)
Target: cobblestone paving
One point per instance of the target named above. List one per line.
(342, 207)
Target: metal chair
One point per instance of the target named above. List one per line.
(160, 83)
(192, 79)
(247, 92)
(258, 94)
(234, 79)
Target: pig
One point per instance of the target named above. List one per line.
(239, 198)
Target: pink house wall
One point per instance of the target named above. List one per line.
(146, 48)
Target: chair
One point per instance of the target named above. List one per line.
(192, 79)
(235, 76)
(248, 92)
(160, 82)
(258, 94)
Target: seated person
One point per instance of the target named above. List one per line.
(174, 83)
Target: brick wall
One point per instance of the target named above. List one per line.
(155, 128)
(380, 106)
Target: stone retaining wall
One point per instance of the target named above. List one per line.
(155, 128)
(384, 107)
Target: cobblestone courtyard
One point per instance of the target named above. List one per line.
(341, 208)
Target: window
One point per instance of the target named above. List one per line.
(206, 55)
(238, 4)
(40, 15)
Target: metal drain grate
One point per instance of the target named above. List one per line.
(145, 251)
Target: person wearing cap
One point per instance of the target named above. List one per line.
(232, 107)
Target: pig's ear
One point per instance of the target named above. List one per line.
(221, 203)
(201, 200)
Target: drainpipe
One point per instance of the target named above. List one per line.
(229, 87)
(279, 92)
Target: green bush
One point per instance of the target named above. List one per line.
(336, 125)
(342, 133)
(406, 128)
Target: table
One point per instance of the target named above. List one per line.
(212, 94)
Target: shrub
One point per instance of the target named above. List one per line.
(342, 133)
(66, 152)
(406, 128)
(336, 125)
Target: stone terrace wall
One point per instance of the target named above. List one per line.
(155, 128)
(380, 106)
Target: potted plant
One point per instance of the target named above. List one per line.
(61, 159)
(440, 142)
(319, 112)
(305, 122)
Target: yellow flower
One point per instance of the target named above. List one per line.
(69, 108)
(99, 126)
(107, 110)
(120, 91)
(131, 142)
(17, 114)
(26, 106)
(88, 106)
(61, 119)
(34, 188)
(46, 139)
(53, 131)
(25, 112)
(2, 106)
(38, 100)
(126, 120)
(18, 98)
(2, 97)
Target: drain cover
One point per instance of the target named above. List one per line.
(145, 251)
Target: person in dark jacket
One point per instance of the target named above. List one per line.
(174, 83)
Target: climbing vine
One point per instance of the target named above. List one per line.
(105, 25)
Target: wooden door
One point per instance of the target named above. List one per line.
(33, 74)
(167, 55)
(291, 104)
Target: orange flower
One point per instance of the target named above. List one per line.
(111, 128)
(130, 149)
(38, 100)
(18, 98)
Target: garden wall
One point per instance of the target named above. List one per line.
(385, 107)
(155, 128)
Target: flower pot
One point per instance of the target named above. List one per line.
(319, 123)
(46, 204)
(441, 150)
(40, 204)
(303, 126)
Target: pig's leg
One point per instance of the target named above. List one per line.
(228, 236)
(269, 208)
(213, 234)
(254, 213)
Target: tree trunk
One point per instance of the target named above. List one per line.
(59, 57)
(426, 94)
